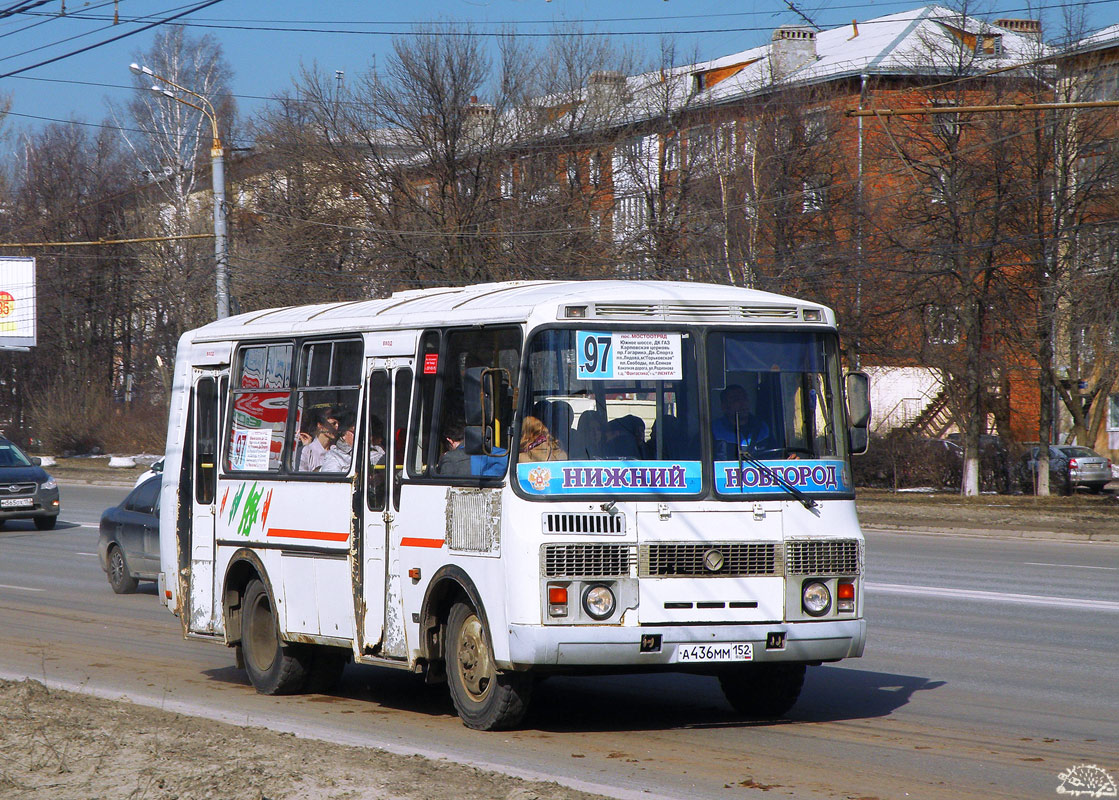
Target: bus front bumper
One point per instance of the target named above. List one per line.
(620, 646)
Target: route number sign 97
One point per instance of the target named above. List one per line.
(608, 355)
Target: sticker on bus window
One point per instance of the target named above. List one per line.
(250, 449)
(431, 363)
(611, 355)
(573, 478)
(814, 476)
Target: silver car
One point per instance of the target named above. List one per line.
(1070, 467)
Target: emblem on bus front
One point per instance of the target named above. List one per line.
(540, 478)
(713, 560)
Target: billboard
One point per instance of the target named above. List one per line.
(17, 303)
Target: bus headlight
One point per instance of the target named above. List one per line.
(599, 601)
(816, 599)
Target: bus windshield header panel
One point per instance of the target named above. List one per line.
(776, 413)
(610, 412)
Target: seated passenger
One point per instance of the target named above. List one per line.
(740, 427)
(455, 461)
(337, 458)
(625, 437)
(318, 433)
(537, 443)
(589, 441)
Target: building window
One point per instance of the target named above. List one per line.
(816, 126)
(595, 164)
(671, 153)
(942, 324)
(629, 217)
(572, 163)
(988, 45)
(815, 194)
(701, 146)
(946, 125)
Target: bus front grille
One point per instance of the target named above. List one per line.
(709, 559)
(588, 560)
(823, 557)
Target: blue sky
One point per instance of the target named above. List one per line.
(265, 52)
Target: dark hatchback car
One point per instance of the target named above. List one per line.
(1070, 467)
(129, 543)
(26, 490)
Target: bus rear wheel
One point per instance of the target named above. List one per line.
(485, 699)
(273, 665)
(763, 691)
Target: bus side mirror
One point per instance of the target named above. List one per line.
(488, 406)
(858, 411)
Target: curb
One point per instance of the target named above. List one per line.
(108, 483)
(995, 533)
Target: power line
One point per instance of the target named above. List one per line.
(295, 25)
(141, 29)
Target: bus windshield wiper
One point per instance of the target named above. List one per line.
(745, 457)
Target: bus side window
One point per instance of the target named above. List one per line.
(441, 403)
(378, 443)
(326, 404)
(402, 400)
(261, 394)
(425, 452)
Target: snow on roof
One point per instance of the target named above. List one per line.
(915, 42)
(1101, 39)
(921, 41)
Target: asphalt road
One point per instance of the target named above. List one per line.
(990, 669)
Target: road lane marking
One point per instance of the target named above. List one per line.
(1068, 566)
(945, 593)
(20, 588)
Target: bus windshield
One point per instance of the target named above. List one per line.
(626, 412)
(774, 397)
(617, 410)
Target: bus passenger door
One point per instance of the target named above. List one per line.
(389, 390)
(207, 424)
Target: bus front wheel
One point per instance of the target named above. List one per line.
(485, 699)
(763, 691)
(274, 666)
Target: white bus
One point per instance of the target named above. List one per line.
(544, 477)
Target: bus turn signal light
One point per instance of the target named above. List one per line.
(557, 601)
(845, 597)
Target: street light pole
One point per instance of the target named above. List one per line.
(217, 160)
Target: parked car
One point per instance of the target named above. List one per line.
(996, 465)
(1070, 468)
(154, 469)
(129, 543)
(26, 490)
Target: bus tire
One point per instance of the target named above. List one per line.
(763, 691)
(273, 665)
(325, 668)
(485, 699)
(119, 578)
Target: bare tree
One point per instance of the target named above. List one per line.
(172, 156)
(947, 226)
